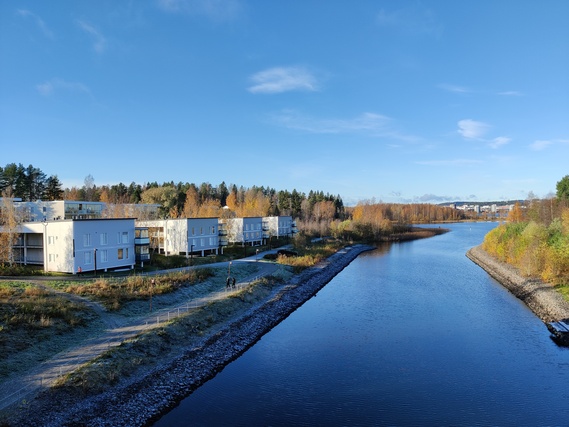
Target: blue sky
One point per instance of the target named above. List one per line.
(401, 101)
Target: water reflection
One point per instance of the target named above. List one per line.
(411, 334)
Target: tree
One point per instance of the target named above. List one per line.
(10, 220)
(53, 190)
(164, 196)
(192, 204)
(563, 188)
(89, 188)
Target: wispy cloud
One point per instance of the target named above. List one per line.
(283, 79)
(454, 88)
(370, 124)
(499, 141)
(437, 199)
(50, 87)
(215, 10)
(448, 162)
(542, 144)
(472, 129)
(510, 93)
(414, 20)
(38, 21)
(99, 41)
(475, 130)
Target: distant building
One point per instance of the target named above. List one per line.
(59, 209)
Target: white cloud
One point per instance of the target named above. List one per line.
(49, 87)
(510, 93)
(216, 10)
(415, 20)
(471, 129)
(499, 141)
(450, 162)
(38, 21)
(539, 145)
(370, 124)
(99, 41)
(454, 88)
(283, 79)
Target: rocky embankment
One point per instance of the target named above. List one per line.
(548, 304)
(139, 401)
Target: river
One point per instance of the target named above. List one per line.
(410, 334)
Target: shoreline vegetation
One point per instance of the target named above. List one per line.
(142, 378)
(543, 299)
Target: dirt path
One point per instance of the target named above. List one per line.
(118, 330)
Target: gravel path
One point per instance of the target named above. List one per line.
(25, 386)
(548, 304)
(139, 399)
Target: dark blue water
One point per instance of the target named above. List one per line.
(413, 334)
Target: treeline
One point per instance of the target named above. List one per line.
(535, 237)
(175, 200)
(377, 221)
(29, 183)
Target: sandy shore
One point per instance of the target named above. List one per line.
(142, 398)
(548, 304)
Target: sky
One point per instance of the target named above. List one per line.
(394, 101)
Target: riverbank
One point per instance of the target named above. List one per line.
(541, 298)
(141, 398)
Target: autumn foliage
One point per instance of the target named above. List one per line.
(535, 239)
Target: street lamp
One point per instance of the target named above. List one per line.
(229, 270)
(257, 255)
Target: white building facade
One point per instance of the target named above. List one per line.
(72, 246)
(183, 236)
(277, 226)
(247, 230)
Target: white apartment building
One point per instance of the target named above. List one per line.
(183, 236)
(77, 245)
(278, 226)
(247, 231)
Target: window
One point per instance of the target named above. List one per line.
(104, 239)
(50, 240)
(193, 231)
(201, 230)
(86, 240)
(213, 229)
(120, 254)
(124, 237)
(126, 253)
(88, 257)
(104, 256)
